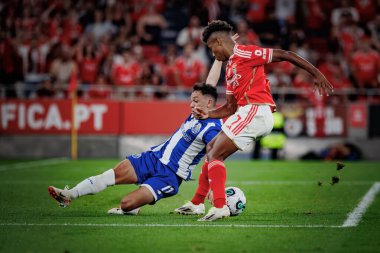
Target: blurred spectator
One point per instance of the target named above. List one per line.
(121, 17)
(150, 25)
(101, 26)
(88, 59)
(192, 34)
(168, 67)
(62, 69)
(333, 70)
(365, 64)
(347, 32)
(345, 9)
(72, 29)
(367, 10)
(34, 55)
(128, 71)
(285, 13)
(374, 27)
(10, 65)
(101, 89)
(45, 89)
(189, 69)
(257, 12)
(315, 19)
(151, 81)
(246, 35)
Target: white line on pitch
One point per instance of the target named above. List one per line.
(356, 215)
(25, 165)
(236, 183)
(166, 225)
(301, 182)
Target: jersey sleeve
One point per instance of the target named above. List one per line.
(255, 55)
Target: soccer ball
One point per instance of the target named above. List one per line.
(235, 200)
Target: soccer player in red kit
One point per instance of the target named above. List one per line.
(249, 104)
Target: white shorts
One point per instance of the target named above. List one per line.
(248, 123)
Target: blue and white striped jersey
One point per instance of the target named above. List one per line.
(186, 147)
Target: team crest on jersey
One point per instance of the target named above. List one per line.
(234, 69)
(136, 156)
(196, 128)
(233, 76)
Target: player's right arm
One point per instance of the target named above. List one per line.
(321, 83)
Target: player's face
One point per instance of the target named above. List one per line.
(217, 48)
(198, 100)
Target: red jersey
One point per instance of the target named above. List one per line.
(189, 70)
(127, 75)
(367, 65)
(245, 75)
(89, 69)
(257, 10)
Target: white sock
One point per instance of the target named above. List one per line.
(93, 184)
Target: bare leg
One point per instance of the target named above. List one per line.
(137, 198)
(125, 173)
(220, 148)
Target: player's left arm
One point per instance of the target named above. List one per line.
(321, 83)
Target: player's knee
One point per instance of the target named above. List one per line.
(209, 148)
(127, 204)
(209, 152)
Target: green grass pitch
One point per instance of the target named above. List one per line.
(286, 211)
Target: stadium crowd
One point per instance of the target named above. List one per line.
(152, 49)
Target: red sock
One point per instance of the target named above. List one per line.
(203, 186)
(217, 178)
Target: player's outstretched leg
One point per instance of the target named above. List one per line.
(123, 173)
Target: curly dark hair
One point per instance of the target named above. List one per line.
(206, 89)
(215, 26)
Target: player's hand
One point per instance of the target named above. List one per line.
(200, 113)
(323, 86)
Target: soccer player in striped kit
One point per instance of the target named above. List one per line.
(249, 106)
(160, 170)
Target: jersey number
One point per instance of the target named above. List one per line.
(258, 52)
(167, 189)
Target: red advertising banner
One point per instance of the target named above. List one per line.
(153, 117)
(54, 117)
